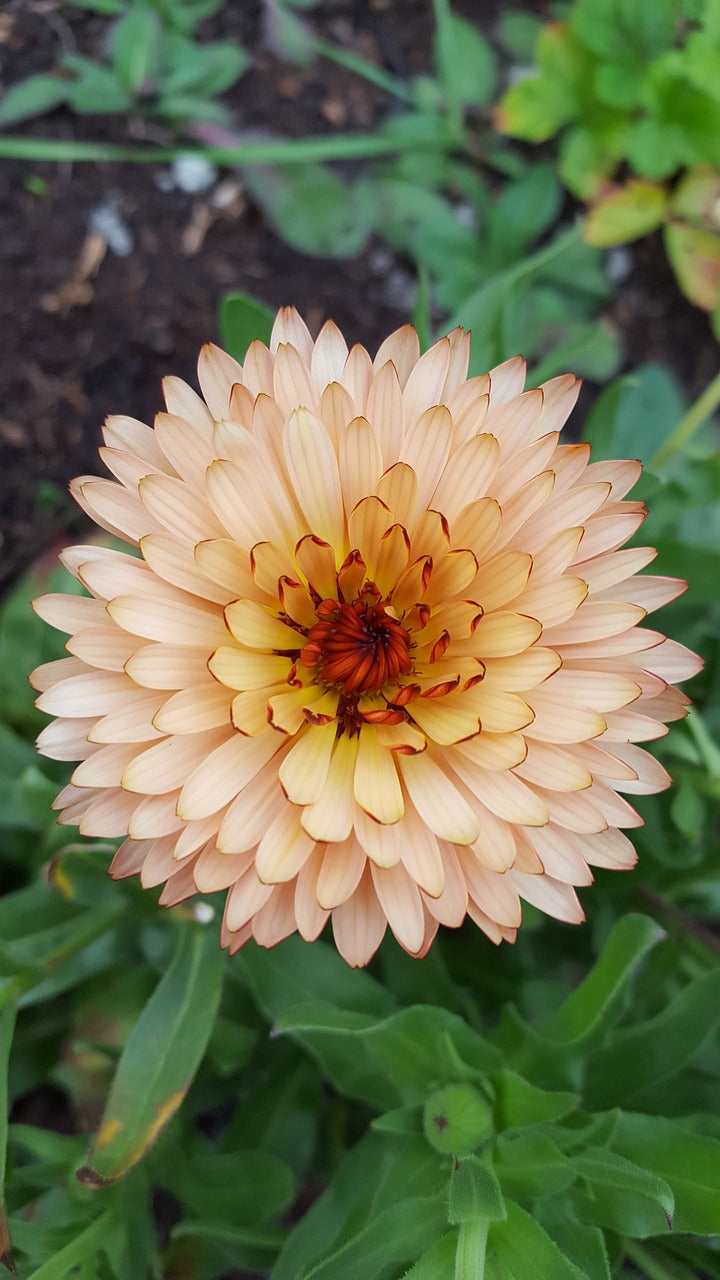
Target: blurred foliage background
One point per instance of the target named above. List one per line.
(549, 176)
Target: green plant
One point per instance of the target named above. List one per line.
(152, 66)
(634, 84)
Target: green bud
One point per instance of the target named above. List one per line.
(457, 1118)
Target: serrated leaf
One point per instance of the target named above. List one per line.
(625, 213)
(242, 321)
(475, 1193)
(160, 1058)
(32, 97)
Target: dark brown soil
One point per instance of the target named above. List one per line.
(86, 332)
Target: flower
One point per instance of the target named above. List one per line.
(380, 658)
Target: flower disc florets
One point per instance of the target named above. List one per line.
(379, 657)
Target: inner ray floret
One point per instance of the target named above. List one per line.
(357, 646)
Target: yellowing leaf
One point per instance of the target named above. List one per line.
(625, 213)
(695, 258)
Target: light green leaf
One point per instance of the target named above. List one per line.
(625, 213)
(7, 1027)
(242, 321)
(689, 1162)
(526, 1250)
(634, 416)
(465, 61)
(311, 208)
(602, 1168)
(475, 1192)
(394, 1235)
(397, 1059)
(160, 1058)
(530, 1164)
(521, 1104)
(135, 47)
(32, 97)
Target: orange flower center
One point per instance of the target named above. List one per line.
(357, 647)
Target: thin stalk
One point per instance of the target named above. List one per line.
(696, 416)
(471, 1248)
(339, 146)
(74, 1253)
(368, 71)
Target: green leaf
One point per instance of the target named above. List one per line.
(465, 61)
(531, 1164)
(135, 47)
(581, 1242)
(237, 1188)
(602, 1168)
(592, 351)
(630, 31)
(201, 69)
(7, 1027)
(160, 1058)
(553, 1051)
(689, 1162)
(311, 208)
(438, 1263)
(635, 415)
(475, 1192)
(656, 1050)
(394, 1235)
(695, 258)
(32, 97)
(296, 971)
(526, 1250)
(521, 1104)
(96, 88)
(397, 1059)
(242, 321)
(587, 158)
(534, 109)
(625, 213)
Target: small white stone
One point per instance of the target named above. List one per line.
(618, 263)
(105, 220)
(193, 174)
(203, 912)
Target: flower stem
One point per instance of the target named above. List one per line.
(375, 75)
(339, 146)
(471, 1247)
(691, 421)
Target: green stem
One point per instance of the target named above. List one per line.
(471, 1248)
(653, 1269)
(339, 146)
(368, 70)
(75, 1252)
(696, 416)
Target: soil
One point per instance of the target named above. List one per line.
(87, 330)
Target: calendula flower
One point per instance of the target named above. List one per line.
(380, 658)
